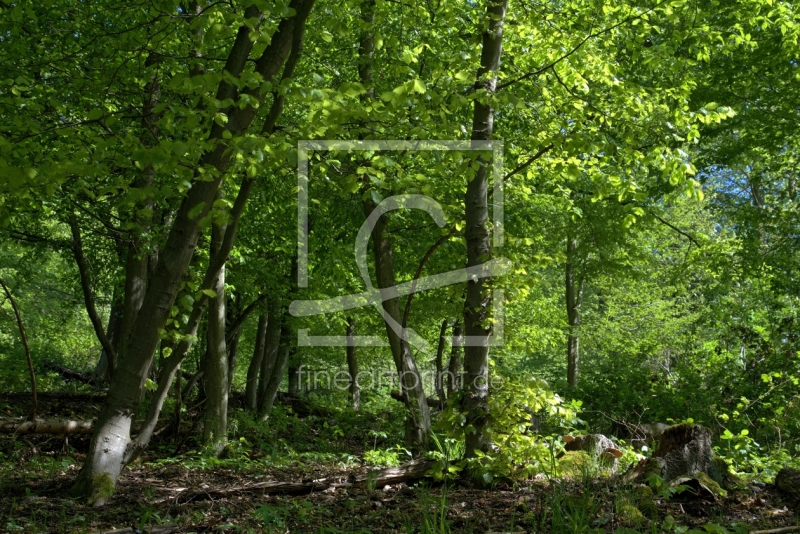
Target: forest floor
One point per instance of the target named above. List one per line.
(190, 492)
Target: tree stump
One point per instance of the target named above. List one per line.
(788, 481)
(683, 451)
(686, 450)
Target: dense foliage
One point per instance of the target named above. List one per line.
(649, 190)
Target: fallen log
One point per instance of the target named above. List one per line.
(45, 426)
(414, 470)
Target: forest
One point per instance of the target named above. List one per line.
(399, 266)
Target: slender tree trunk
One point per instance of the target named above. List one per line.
(278, 370)
(253, 370)
(215, 368)
(478, 299)
(24, 338)
(418, 425)
(574, 296)
(177, 417)
(88, 295)
(102, 369)
(137, 262)
(271, 351)
(352, 363)
(440, 373)
(232, 333)
(233, 355)
(295, 365)
(454, 368)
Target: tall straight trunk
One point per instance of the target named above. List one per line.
(278, 370)
(233, 355)
(476, 206)
(253, 370)
(295, 365)
(232, 333)
(215, 368)
(271, 351)
(108, 449)
(574, 297)
(352, 363)
(454, 367)
(438, 363)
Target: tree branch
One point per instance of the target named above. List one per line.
(86, 285)
(684, 234)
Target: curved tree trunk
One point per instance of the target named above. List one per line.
(476, 205)
(418, 425)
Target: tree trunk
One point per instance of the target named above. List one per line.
(272, 347)
(352, 363)
(215, 368)
(102, 370)
(574, 297)
(137, 262)
(107, 451)
(440, 373)
(478, 299)
(251, 388)
(454, 371)
(233, 355)
(295, 366)
(278, 370)
(171, 365)
(418, 425)
(88, 296)
(233, 329)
